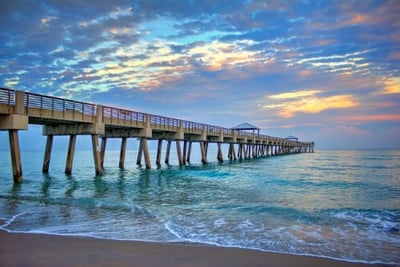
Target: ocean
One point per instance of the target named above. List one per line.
(334, 204)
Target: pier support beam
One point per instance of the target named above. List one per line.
(146, 153)
(232, 153)
(179, 152)
(240, 152)
(247, 151)
(254, 152)
(122, 153)
(103, 150)
(159, 149)
(220, 158)
(203, 150)
(96, 154)
(15, 156)
(139, 154)
(189, 151)
(167, 152)
(143, 149)
(230, 156)
(70, 154)
(185, 145)
(47, 154)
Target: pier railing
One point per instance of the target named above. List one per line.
(123, 117)
(58, 108)
(6, 100)
(164, 123)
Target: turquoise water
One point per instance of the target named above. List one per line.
(336, 204)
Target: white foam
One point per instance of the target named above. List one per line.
(13, 218)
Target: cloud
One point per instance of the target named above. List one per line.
(348, 63)
(391, 86)
(307, 101)
(296, 94)
(48, 20)
(215, 55)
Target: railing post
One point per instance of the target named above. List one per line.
(20, 102)
(99, 114)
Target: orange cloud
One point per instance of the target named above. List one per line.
(316, 105)
(307, 102)
(357, 19)
(392, 86)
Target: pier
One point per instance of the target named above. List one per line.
(60, 116)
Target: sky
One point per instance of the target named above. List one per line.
(324, 71)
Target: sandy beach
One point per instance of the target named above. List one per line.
(49, 250)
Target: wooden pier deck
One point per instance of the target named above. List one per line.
(61, 116)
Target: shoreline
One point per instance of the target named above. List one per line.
(31, 249)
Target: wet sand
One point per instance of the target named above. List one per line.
(50, 250)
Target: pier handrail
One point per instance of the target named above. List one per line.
(163, 121)
(51, 103)
(120, 115)
(193, 126)
(7, 97)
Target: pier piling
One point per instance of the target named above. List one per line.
(122, 153)
(139, 155)
(189, 151)
(47, 154)
(96, 154)
(15, 156)
(167, 152)
(103, 150)
(203, 151)
(70, 154)
(185, 145)
(220, 157)
(179, 152)
(146, 154)
(159, 150)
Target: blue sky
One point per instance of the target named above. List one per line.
(324, 71)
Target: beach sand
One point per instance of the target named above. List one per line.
(50, 250)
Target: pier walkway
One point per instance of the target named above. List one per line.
(61, 116)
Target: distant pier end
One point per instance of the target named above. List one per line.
(61, 116)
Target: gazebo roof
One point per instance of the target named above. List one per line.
(292, 137)
(245, 126)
